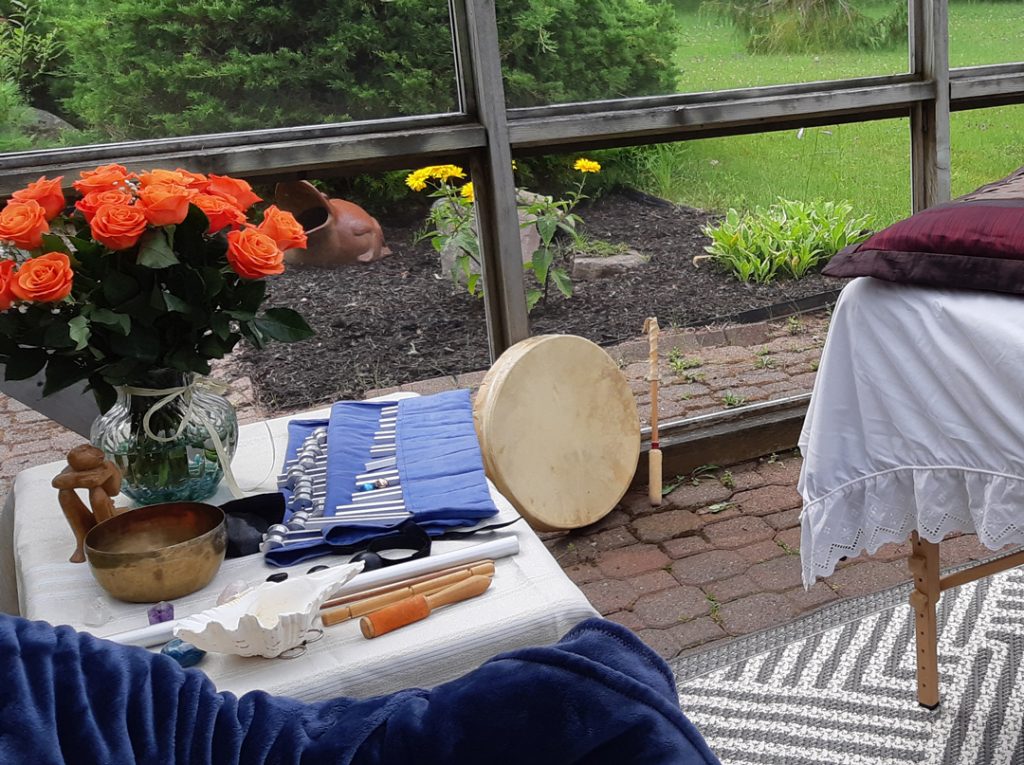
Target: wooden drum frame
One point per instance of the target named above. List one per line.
(559, 430)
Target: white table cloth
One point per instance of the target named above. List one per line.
(916, 422)
(530, 602)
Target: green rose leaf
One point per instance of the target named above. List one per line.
(155, 249)
(220, 323)
(284, 324)
(118, 321)
(62, 372)
(53, 243)
(119, 288)
(175, 303)
(25, 364)
(78, 331)
(142, 343)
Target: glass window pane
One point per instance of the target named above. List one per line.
(639, 249)
(636, 48)
(985, 146)
(985, 32)
(400, 320)
(131, 69)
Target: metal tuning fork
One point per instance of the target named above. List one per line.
(376, 498)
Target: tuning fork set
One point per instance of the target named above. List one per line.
(376, 497)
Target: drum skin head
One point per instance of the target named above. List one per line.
(558, 430)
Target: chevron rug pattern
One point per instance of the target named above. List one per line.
(839, 686)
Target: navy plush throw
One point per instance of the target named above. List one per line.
(598, 696)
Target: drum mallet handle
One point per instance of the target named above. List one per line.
(651, 329)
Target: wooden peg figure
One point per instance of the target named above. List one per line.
(89, 469)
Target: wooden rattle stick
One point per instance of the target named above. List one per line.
(485, 567)
(651, 329)
(420, 607)
(377, 602)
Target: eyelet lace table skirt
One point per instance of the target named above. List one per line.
(916, 422)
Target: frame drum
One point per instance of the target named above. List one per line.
(558, 430)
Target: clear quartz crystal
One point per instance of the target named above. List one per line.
(97, 613)
(185, 468)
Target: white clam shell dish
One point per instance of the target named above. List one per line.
(268, 619)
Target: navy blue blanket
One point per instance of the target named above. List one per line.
(598, 696)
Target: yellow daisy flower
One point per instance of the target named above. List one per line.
(417, 180)
(444, 172)
(587, 166)
(467, 192)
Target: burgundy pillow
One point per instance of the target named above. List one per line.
(973, 242)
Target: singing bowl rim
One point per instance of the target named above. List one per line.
(135, 515)
(158, 573)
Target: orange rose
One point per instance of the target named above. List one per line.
(176, 177)
(102, 178)
(254, 254)
(6, 277)
(164, 204)
(47, 193)
(220, 211)
(45, 279)
(234, 190)
(118, 226)
(282, 227)
(196, 181)
(23, 223)
(91, 202)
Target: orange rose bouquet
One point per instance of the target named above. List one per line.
(139, 272)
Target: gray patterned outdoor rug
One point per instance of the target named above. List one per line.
(839, 686)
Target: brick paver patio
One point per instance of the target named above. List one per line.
(719, 558)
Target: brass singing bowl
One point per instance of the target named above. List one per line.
(159, 552)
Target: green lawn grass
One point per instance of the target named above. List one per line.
(866, 163)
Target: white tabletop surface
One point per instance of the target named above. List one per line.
(530, 602)
(916, 422)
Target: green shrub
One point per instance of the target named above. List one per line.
(14, 118)
(812, 26)
(29, 51)
(152, 68)
(790, 238)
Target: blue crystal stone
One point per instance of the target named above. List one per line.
(366, 487)
(186, 654)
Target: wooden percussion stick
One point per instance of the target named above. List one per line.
(369, 605)
(485, 567)
(654, 376)
(420, 607)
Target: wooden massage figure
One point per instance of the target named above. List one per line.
(89, 469)
(338, 233)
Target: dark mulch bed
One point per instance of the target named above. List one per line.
(398, 320)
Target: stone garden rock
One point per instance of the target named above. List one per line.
(586, 269)
(43, 124)
(529, 237)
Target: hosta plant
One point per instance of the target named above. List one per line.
(788, 238)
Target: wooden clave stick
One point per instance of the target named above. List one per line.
(420, 607)
(377, 602)
(488, 567)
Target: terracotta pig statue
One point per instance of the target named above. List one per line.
(338, 233)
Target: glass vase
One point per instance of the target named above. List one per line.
(183, 468)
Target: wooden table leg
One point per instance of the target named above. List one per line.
(924, 565)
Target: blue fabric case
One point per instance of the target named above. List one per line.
(438, 460)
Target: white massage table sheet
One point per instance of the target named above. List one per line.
(916, 422)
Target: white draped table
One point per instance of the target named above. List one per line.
(530, 602)
(915, 430)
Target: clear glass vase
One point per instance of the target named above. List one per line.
(185, 467)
